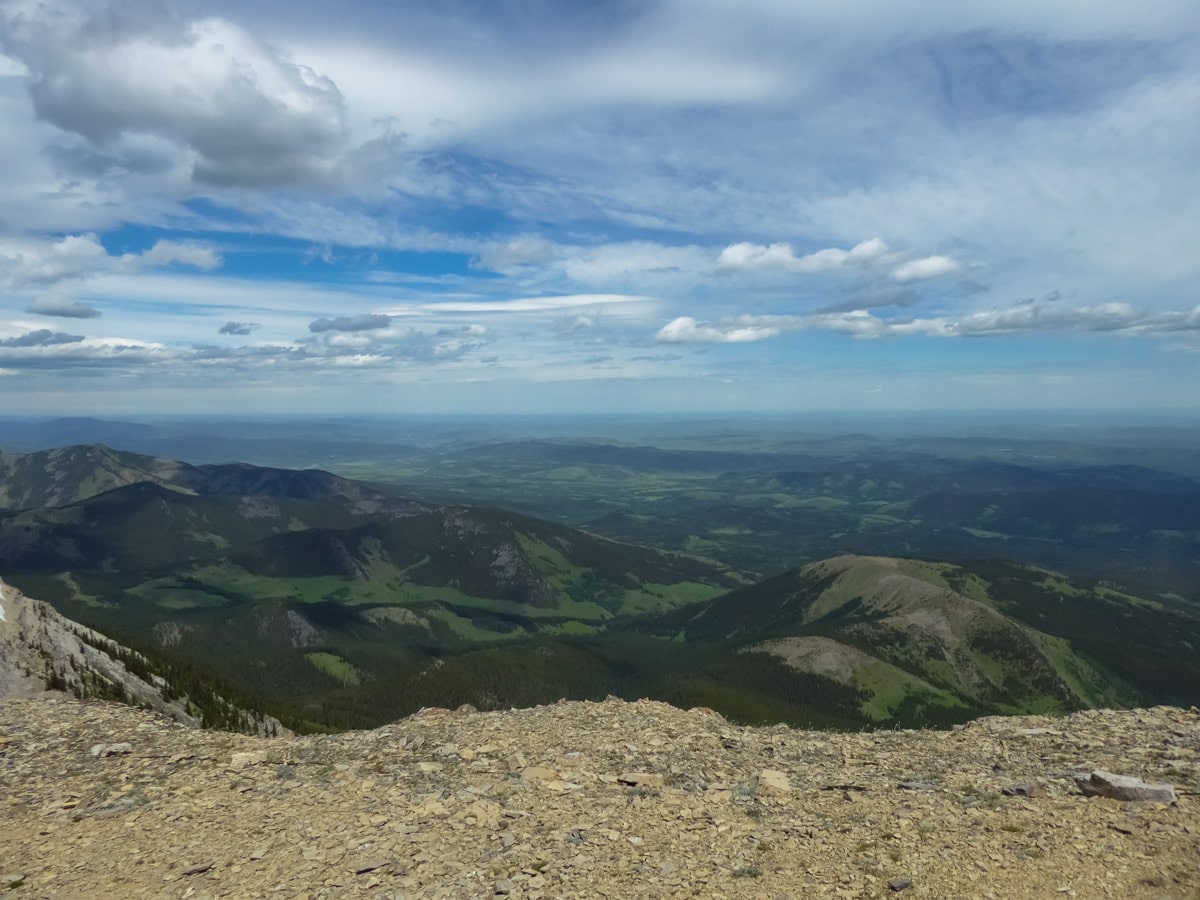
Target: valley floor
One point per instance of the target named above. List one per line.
(591, 800)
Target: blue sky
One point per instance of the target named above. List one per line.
(656, 206)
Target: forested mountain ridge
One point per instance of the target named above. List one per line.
(342, 603)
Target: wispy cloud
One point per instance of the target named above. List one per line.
(1122, 318)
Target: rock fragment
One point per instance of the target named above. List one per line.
(248, 758)
(1123, 787)
(102, 750)
(1024, 790)
(771, 782)
(641, 779)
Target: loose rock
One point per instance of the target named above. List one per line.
(1123, 787)
(353, 815)
(102, 750)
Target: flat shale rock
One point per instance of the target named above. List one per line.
(1124, 787)
(605, 799)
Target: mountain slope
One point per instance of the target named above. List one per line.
(52, 478)
(70, 474)
(897, 630)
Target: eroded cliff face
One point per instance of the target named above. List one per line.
(592, 799)
(40, 650)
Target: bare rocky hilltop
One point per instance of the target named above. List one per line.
(608, 799)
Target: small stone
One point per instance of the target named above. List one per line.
(1123, 787)
(516, 761)
(428, 768)
(502, 888)
(771, 781)
(198, 869)
(370, 865)
(249, 758)
(539, 773)
(641, 779)
(11, 882)
(900, 884)
(1024, 790)
(121, 749)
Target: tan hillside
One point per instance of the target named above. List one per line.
(591, 800)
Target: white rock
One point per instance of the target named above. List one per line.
(1123, 787)
(771, 781)
(112, 749)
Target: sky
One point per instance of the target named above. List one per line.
(654, 206)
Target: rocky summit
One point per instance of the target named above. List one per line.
(609, 799)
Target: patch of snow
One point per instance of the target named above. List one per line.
(2, 619)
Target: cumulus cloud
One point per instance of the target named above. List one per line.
(749, 257)
(43, 337)
(76, 257)
(63, 307)
(241, 328)
(41, 263)
(244, 113)
(365, 322)
(929, 267)
(685, 329)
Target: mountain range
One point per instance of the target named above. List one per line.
(339, 603)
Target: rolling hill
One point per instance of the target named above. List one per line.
(918, 638)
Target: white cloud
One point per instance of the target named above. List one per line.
(929, 267)
(746, 256)
(685, 329)
(1031, 317)
(76, 257)
(185, 253)
(40, 263)
(1105, 317)
(244, 113)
